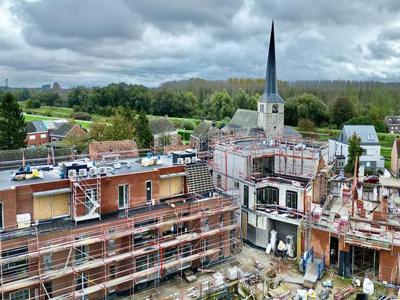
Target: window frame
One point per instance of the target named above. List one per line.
(268, 195)
(126, 196)
(290, 201)
(83, 254)
(246, 195)
(10, 296)
(149, 200)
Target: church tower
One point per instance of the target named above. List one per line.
(271, 105)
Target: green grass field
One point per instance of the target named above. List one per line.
(29, 117)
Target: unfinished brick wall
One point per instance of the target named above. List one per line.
(320, 243)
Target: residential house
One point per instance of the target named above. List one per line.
(370, 159)
(202, 135)
(395, 158)
(392, 124)
(36, 133)
(164, 133)
(67, 130)
(124, 148)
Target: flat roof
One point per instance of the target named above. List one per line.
(135, 166)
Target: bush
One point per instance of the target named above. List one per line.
(188, 125)
(176, 122)
(81, 115)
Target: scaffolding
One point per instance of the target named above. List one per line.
(283, 156)
(91, 255)
(86, 198)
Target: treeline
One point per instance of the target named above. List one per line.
(324, 103)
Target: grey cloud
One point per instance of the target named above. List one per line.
(95, 42)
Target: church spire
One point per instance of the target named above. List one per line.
(271, 84)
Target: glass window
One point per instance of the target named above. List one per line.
(48, 294)
(43, 136)
(268, 195)
(19, 267)
(123, 196)
(20, 295)
(246, 195)
(219, 180)
(82, 282)
(236, 184)
(32, 137)
(47, 261)
(81, 254)
(149, 192)
(291, 199)
(111, 246)
(112, 272)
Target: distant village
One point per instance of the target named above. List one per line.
(250, 208)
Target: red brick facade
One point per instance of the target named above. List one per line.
(113, 250)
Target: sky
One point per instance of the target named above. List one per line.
(97, 42)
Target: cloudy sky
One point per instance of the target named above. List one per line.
(95, 42)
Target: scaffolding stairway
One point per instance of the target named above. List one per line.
(199, 180)
(86, 194)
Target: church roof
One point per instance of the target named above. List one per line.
(271, 86)
(245, 119)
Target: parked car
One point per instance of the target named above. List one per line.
(372, 179)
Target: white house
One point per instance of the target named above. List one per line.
(371, 157)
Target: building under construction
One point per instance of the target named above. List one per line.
(275, 176)
(89, 230)
(357, 228)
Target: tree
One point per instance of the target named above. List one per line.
(98, 130)
(306, 125)
(144, 136)
(305, 106)
(119, 128)
(221, 105)
(32, 103)
(23, 94)
(342, 110)
(355, 151)
(12, 123)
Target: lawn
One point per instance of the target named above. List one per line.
(29, 117)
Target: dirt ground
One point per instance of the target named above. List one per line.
(286, 272)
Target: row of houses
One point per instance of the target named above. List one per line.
(42, 132)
